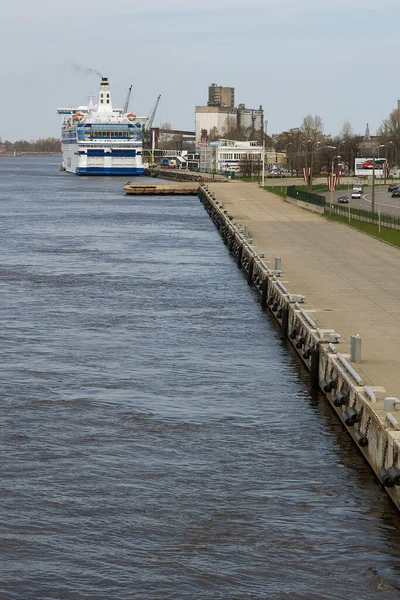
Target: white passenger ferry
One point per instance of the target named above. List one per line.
(99, 140)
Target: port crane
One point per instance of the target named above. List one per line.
(150, 120)
(127, 99)
(148, 135)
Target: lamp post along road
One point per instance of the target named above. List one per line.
(263, 164)
(286, 165)
(373, 187)
(331, 182)
(373, 179)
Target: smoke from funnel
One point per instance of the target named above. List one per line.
(84, 70)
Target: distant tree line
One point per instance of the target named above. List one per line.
(45, 145)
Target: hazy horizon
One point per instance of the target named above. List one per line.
(330, 59)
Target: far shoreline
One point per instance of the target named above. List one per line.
(7, 155)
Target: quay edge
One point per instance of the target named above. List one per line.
(330, 371)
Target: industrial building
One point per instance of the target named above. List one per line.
(221, 96)
(213, 120)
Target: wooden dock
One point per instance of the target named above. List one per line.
(177, 188)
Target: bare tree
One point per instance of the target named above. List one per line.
(231, 130)
(312, 130)
(346, 131)
(214, 134)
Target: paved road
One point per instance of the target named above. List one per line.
(383, 198)
(389, 205)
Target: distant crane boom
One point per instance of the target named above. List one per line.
(150, 120)
(126, 104)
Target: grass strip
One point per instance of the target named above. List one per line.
(392, 236)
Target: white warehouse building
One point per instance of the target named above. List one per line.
(226, 155)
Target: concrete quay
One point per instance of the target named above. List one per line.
(332, 282)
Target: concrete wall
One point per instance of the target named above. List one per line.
(307, 205)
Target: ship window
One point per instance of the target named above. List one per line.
(108, 101)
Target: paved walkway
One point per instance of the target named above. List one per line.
(351, 280)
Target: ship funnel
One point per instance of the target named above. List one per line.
(104, 104)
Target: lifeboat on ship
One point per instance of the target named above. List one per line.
(78, 116)
(131, 117)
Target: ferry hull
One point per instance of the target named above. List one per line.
(101, 164)
(109, 171)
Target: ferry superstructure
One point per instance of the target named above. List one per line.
(99, 140)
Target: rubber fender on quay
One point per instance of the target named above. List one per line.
(275, 307)
(340, 398)
(270, 301)
(385, 478)
(394, 474)
(293, 333)
(327, 384)
(361, 439)
(279, 313)
(307, 353)
(353, 416)
(300, 343)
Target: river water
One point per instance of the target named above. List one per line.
(158, 440)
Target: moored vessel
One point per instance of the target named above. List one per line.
(99, 140)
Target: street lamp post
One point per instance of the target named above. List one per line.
(348, 174)
(286, 147)
(306, 161)
(331, 183)
(263, 163)
(343, 142)
(373, 185)
(386, 168)
(373, 179)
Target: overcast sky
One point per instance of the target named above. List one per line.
(335, 58)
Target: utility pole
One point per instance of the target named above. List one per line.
(263, 164)
(332, 176)
(385, 165)
(373, 185)
(310, 181)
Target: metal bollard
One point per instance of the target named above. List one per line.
(355, 348)
(277, 263)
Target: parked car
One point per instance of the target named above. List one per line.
(396, 193)
(355, 194)
(392, 187)
(343, 200)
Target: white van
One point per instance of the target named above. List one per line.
(357, 187)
